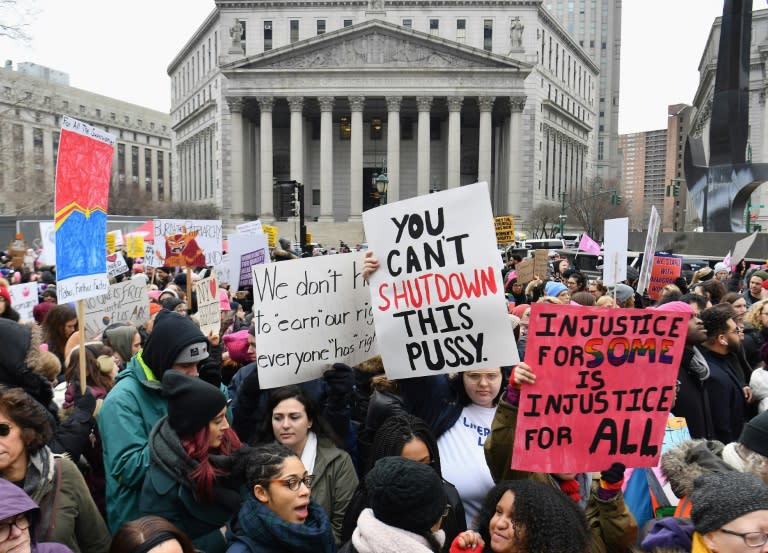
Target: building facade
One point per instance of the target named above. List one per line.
(644, 165)
(676, 202)
(596, 25)
(32, 101)
(330, 94)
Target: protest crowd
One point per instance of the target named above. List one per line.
(176, 443)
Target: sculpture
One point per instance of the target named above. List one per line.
(516, 29)
(236, 32)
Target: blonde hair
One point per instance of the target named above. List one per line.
(605, 301)
(49, 366)
(753, 315)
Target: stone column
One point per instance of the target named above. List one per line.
(326, 159)
(454, 141)
(356, 105)
(296, 106)
(142, 170)
(236, 158)
(393, 147)
(424, 104)
(266, 174)
(485, 103)
(153, 169)
(515, 173)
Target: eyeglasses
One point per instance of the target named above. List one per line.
(5, 429)
(751, 539)
(21, 522)
(294, 483)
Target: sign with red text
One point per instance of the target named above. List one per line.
(438, 297)
(24, 299)
(605, 383)
(665, 269)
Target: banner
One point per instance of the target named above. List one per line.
(438, 298)
(245, 251)
(116, 265)
(208, 310)
(83, 169)
(665, 269)
(188, 243)
(250, 227)
(654, 224)
(309, 314)
(125, 302)
(605, 383)
(616, 233)
(505, 229)
(24, 299)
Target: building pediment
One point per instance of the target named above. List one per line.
(376, 44)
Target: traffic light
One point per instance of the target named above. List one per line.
(615, 199)
(675, 190)
(295, 202)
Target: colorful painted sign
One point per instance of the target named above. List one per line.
(245, 251)
(188, 243)
(125, 302)
(664, 270)
(208, 310)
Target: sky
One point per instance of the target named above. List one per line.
(122, 49)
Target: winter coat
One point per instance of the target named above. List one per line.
(433, 400)
(759, 384)
(126, 419)
(692, 401)
(168, 492)
(726, 395)
(612, 526)
(335, 482)
(374, 536)
(681, 465)
(16, 502)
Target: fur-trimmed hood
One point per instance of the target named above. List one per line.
(21, 359)
(692, 458)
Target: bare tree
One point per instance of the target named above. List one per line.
(14, 19)
(594, 204)
(542, 220)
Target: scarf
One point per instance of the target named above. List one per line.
(571, 489)
(374, 536)
(698, 544)
(698, 365)
(731, 456)
(309, 455)
(38, 483)
(266, 531)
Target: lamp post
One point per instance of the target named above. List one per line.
(382, 181)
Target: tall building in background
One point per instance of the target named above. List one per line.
(675, 190)
(596, 26)
(655, 171)
(644, 157)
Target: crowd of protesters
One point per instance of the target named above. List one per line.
(175, 446)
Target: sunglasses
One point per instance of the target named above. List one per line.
(5, 429)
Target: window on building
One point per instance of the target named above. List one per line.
(591, 43)
(55, 149)
(148, 170)
(135, 164)
(376, 128)
(65, 104)
(243, 23)
(434, 27)
(82, 109)
(315, 197)
(321, 26)
(112, 116)
(294, 26)
(345, 128)
(600, 150)
(347, 23)
(408, 23)
(602, 46)
(47, 100)
(461, 30)
(267, 35)
(488, 36)
(160, 191)
(121, 163)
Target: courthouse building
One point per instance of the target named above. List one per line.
(435, 94)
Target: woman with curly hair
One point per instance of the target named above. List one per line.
(188, 482)
(755, 332)
(524, 516)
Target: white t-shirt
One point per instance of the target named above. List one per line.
(462, 458)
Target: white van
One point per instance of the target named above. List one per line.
(544, 244)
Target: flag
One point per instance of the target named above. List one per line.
(727, 261)
(588, 245)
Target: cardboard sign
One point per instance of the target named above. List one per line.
(83, 170)
(616, 232)
(149, 256)
(665, 269)
(208, 310)
(24, 299)
(188, 243)
(251, 227)
(525, 271)
(540, 263)
(505, 229)
(654, 225)
(125, 302)
(245, 251)
(116, 265)
(438, 298)
(309, 314)
(742, 247)
(271, 233)
(605, 383)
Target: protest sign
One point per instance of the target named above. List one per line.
(540, 263)
(250, 227)
(309, 314)
(149, 256)
(438, 298)
(524, 271)
(271, 233)
(116, 265)
(651, 238)
(605, 383)
(246, 250)
(665, 269)
(48, 243)
(114, 241)
(224, 271)
(134, 245)
(741, 248)
(83, 170)
(505, 229)
(188, 243)
(24, 299)
(125, 302)
(208, 310)
(616, 233)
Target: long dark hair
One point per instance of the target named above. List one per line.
(53, 327)
(550, 520)
(260, 464)
(399, 430)
(131, 536)
(319, 425)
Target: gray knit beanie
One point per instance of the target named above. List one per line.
(754, 435)
(721, 497)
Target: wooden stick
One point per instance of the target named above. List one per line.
(81, 352)
(189, 288)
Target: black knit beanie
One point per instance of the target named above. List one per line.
(755, 434)
(405, 494)
(192, 403)
(721, 497)
(170, 335)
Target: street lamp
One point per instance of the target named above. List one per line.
(382, 181)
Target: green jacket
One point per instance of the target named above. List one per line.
(335, 482)
(613, 527)
(129, 412)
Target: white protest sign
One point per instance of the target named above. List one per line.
(188, 243)
(251, 227)
(616, 233)
(309, 314)
(438, 298)
(654, 224)
(116, 265)
(741, 248)
(224, 271)
(124, 302)
(208, 311)
(24, 299)
(48, 239)
(245, 251)
(149, 255)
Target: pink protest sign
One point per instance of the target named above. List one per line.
(605, 385)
